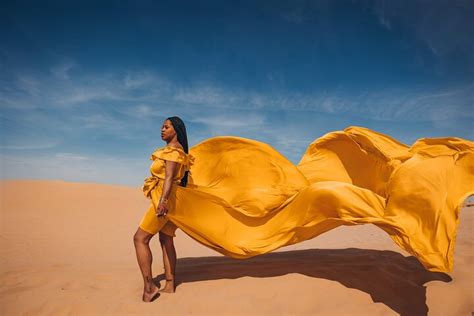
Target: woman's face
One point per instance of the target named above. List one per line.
(167, 131)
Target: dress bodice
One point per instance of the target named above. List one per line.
(176, 154)
(157, 168)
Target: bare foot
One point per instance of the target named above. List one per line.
(168, 288)
(150, 293)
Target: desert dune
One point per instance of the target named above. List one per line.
(67, 249)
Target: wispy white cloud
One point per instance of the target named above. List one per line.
(24, 89)
(124, 104)
(423, 18)
(30, 146)
(145, 80)
(390, 104)
(44, 111)
(230, 120)
(213, 96)
(71, 156)
(141, 110)
(74, 167)
(140, 93)
(295, 15)
(62, 69)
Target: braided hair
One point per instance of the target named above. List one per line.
(180, 129)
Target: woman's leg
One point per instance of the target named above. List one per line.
(169, 261)
(141, 239)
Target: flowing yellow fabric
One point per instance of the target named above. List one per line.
(244, 198)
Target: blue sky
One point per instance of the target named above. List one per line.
(85, 86)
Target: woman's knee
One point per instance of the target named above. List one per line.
(141, 237)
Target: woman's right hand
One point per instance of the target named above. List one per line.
(162, 210)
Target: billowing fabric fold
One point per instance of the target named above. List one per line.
(244, 198)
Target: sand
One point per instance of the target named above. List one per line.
(67, 249)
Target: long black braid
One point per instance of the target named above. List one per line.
(180, 129)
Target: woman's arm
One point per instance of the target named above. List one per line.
(170, 170)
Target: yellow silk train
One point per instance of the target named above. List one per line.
(244, 198)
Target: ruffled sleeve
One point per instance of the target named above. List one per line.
(189, 163)
(174, 154)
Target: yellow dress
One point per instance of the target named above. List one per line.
(244, 198)
(153, 187)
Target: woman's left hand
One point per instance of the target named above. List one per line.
(162, 210)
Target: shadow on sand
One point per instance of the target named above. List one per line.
(387, 276)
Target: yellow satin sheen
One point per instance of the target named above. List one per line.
(157, 168)
(244, 198)
(153, 187)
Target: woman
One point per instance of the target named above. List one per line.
(246, 199)
(170, 167)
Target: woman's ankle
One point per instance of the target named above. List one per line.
(148, 281)
(169, 278)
